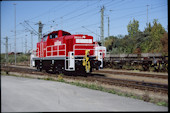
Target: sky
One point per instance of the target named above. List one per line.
(76, 17)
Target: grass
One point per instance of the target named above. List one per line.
(11, 58)
(162, 104)
(97, 87)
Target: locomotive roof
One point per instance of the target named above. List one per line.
(63, 32)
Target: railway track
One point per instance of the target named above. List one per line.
(150, 75)
(155, 87)
(136, 84)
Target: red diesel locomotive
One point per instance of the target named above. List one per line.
(59, 51)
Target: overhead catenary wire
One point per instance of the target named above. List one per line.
(90, 31)
(142, 12)
(76, 11)
(117, 3)
(120, 26)
(86, 12)
(33, 30)
(131, 14)
(44, 14)
(96, 13)
(81, 13)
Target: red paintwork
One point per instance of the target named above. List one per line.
(59, 43)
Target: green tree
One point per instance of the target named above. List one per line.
(133, 32)
(153, 39)
(164, 42)
(157, 32)
(109, 42)
(133, 28)
(148, 29)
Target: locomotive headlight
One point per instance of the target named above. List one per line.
(72, 55)
(100, 55)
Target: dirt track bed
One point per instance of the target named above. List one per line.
(136, 78)
(139, 74)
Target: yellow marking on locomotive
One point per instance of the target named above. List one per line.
(86, 61)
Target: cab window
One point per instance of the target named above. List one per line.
(45, 38)
(53, 36)
(64, 34)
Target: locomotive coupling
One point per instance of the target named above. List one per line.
(86, 61)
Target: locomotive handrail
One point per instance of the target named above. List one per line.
(58, 50)
(74, 49)
(94, 45)
(34, 52)
(37, 52)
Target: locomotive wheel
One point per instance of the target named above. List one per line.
(59, 69)
(47, 70)
(84, 73)
(38, 68)
(97, 67)
(54, 71)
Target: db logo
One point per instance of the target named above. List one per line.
(83, 36)
(57, 43)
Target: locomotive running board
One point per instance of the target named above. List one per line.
(49, 58)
